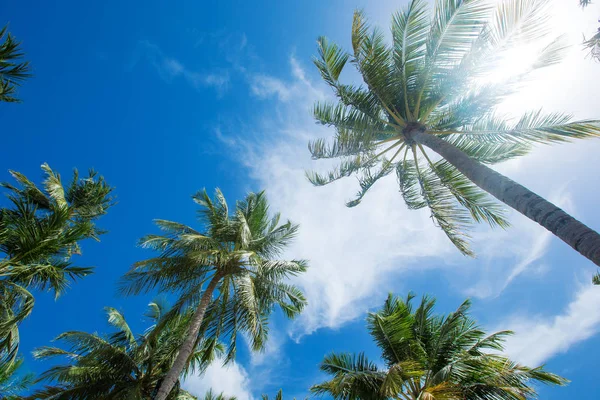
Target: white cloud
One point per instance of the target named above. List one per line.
(539, 338)
(232, 380)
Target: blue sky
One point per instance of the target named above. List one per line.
(166, 99)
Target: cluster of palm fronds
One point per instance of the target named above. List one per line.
(39, 233)
(430, 357)
(593, 43)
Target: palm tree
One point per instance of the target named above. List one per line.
(12, 70)
(430, 357)
(39, 233)
(428, 91)
(122, 365)
(11, 381)
(227, 272)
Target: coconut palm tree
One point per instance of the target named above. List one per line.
(431, 90)
(39, 233)
(123, 365)
(430, 357)
(12, 382)
(12, 70)
(228, 272)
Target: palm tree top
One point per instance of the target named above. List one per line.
(122, 363)
(429, 356)
(235, 247)
(432, 78)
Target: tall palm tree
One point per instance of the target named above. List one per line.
(39, 233)
(12, 382)
(122, 365)
(430, 357)
(12, 69)
(228, 272)
(428, 90)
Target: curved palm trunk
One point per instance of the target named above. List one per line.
(187, 347)
(577, 235)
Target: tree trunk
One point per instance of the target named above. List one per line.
(577, 235)
(187, 347)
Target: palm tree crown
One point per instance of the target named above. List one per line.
(432, 81)
(234, 258)
(430, 357)
(122, 365)
(39, 233)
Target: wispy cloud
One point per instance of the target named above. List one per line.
(299, 87)
(265, 86)
(528, 253)
(170, 68)
(538, 338)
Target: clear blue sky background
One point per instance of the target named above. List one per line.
(166, 98)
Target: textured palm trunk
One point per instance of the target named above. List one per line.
(187, 347)
(577, 235)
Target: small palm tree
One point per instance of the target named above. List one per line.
(227, 272)
(12, 70)
(39, 233)
(11, 381)
(427, 90)
(122, 365)
(430, 357)
(210, 395)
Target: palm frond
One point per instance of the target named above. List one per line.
(533, 127)
(13, 71)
